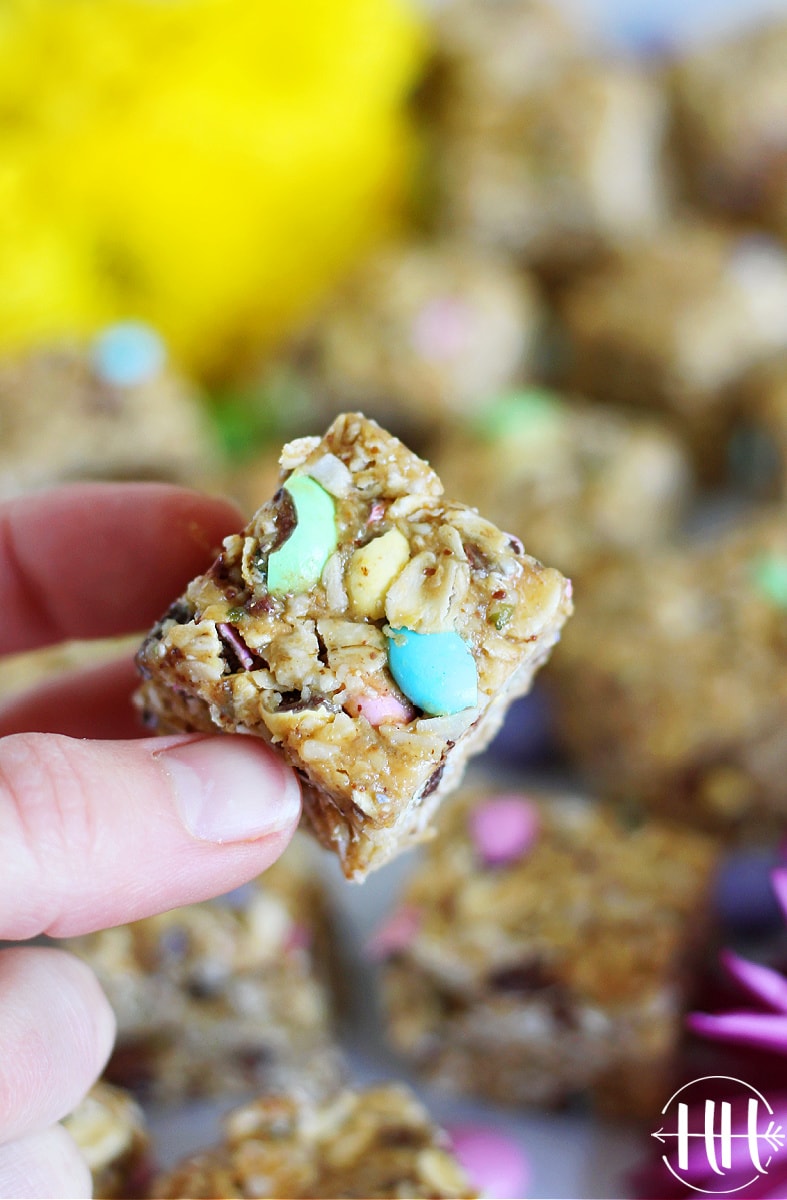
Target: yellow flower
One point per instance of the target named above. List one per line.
(209, 166)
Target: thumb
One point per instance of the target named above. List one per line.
(101, 833)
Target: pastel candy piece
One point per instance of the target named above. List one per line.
(441, 329)
(769, 573)
(380, 708)
(371, 571)
(299, 938)
(395, 934)
(434, 670)
(128, 354)
(495, 1165)
(504, 828)
(297, 564)
(530, 412)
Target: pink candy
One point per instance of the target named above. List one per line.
(504, 828)
(494, 1164)
(395, 934)
(440, 330)
(379, 708)
(298, 938)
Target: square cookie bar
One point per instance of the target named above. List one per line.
(375, 1143)
(111, 409)
(671, 324)
(110, 1131)
(541, 950)
(584, 480)
(729, 123)
(558, 168)
(371, 629)
(671, 688)
(222, 996)
(420, 331)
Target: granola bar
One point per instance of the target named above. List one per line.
(672, 324)
(491, 53)
(379, 1142)
(420, 332)
(111, 1133)
(540, 951)
(110, 410)
(371, 629)
(555, 161)
(583, 479)
(222, 996)
(670, 687)
(730, 120)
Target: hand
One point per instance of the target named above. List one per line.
(98, 833)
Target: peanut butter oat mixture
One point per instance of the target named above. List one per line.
(671, 686)
(585, 480)
(110, 1130)
(375, 1143)
(60, 420)
(545, 950)
(224, 996)
(367, 626)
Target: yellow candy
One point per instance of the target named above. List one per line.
(207, 166)
(372, 570)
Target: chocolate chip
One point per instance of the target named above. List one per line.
(286, 519)
(263, 604)
(433, 782)
(180, 612)
(476, 557)
(200, 988)
(521, 977)
(219, 571)
(400, 1135)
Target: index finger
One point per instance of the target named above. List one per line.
(100, 559)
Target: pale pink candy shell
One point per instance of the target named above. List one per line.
(380, 708)
(494, 1164)
(299, 937)
(504, 828)
(397, 933)
(440, 330)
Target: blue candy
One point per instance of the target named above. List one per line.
(128, 353)
(436, 671)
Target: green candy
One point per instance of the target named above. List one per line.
(769, 574)
(519, 414)
(298, 564)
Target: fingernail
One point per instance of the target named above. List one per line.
(231, 789)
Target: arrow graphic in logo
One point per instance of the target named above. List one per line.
(713, 1123)
(773, 1135)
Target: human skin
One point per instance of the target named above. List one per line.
(99, 826)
